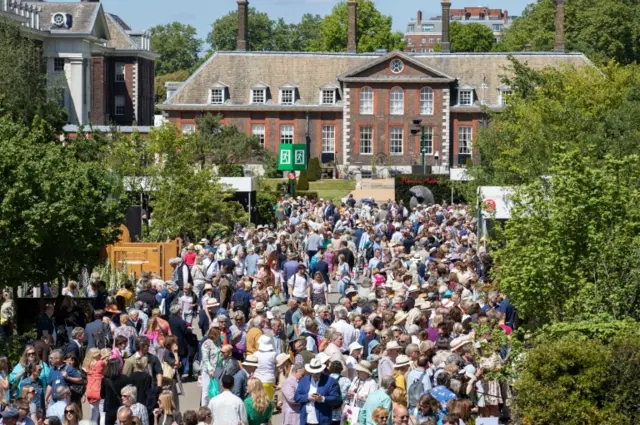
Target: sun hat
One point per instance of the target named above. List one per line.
(315, 366)
(460, 341)
(259, 307)
(364, 366)
(414, 288)
(354, 346)
(393, 345)
(323, 357)
(208, 286)
(10, 412)
(400, 317)
(402, 360)
(250, 361)
(425, 346)
(281, 359)
(212, 302)
(214, 324)
(265, 343)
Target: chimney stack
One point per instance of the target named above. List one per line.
(352, 26)
(419, 20)
(242, 43)
(506, 16)
(559, 41)
(445, 46)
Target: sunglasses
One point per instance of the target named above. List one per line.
(31, 354)
(69, 412)
(384, 418)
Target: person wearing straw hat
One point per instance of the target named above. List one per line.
(355, 355)
(247, 369)
(362, 385)
(385, 366)
(400, 369)
(318, 393)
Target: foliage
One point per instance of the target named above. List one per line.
(161, 90)
(438, 184)
(178, 46)
(603, 30)
(13, 347)
(576, 381)
(309, 194)
(187, 200)
(314, 172)
(270, 164)
(224, 31)
(374, 29)
(23, 86)
(303, 181)
(471, 38)
(264, 207)
(57, 212)
(600, 329)
(306, 36)
(231, 170)
(113, 277)
(224, 146)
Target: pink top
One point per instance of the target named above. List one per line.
(190, 258)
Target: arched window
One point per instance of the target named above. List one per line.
(426, 101)
(397, 101)
(366, 101)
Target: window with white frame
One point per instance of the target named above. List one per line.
(426, 101)
(431, 40)
(396, 142)
(217, 96)
(409, 41)
(258, 96)
(328, 97)
(257, 130)
(424, 50)
(188, 128)
(426, 143)
(424, 40)
(286, 134)
(58, 64)
(287, 96)
(465, 97)
(427, 27)
(119, 101)
(396, 99)
(366, 101)
(504, 96)
(464, 140)
(366, 140)
(328, 139)
(438, 40)
(119, 72)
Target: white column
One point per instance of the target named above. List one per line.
(346, 128)
(76, 88)
(446, 129)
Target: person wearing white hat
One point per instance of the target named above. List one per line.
(355, 355)
(362, 385)
(318, 393)
(400, 369)
(266, 370)
(385, 366)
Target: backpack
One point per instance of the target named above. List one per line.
(415, 391)
(102, 339)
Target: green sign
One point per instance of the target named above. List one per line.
(292, 157)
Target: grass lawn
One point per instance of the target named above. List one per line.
(327, 189)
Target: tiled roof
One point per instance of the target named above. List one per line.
(119, 38)
(311, 71)
(83, 16)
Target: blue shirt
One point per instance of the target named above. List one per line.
(39, 399)
(56, 378)
(252, 264)
(442, 396)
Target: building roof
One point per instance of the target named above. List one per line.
(311, 71)
(83, 16)
(119, 38)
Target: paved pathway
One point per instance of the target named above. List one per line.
(380, 190)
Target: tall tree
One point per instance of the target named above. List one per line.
(603, 29)
(178, 46)
(161, 90)
(224, 31)
(282, 36)
(374, 29)
(24, 92)
(307, 35)
(471, 38)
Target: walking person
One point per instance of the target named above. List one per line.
(226, 407)
(258, 405)
(112, 383)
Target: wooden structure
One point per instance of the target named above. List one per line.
(138, 257)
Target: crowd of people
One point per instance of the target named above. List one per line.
(248, 316)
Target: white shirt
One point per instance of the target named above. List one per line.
(299, 284)
(349, 333)
(266, 370)
(312, 418)
(228, 408)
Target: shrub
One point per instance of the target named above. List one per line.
(314, 171)
(439, 185)
(231, 170)
(264, 208)
(270, 165)
(303, 181)
(308, 194)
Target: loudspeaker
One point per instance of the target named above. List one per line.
(133, 221)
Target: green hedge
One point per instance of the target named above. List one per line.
(264, 208)
(314, 172)
(303, 181)
(438, 184)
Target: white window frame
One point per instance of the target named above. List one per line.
(328, 139)
(424, 40)
(57, 61)
(465, 139)
(117, 105)
(427, 27)
(221, 92)
(366, 100)
(504, 96)
(426, 101)
(396, 135)
(431, 40)
(259, 131)
(188, 128)
(428, 133)
(328, 94)
(368, 131)
(287, 133)
(396, 66)
(120, 77)
(396, 101)
(463, 100)
(255, 94)
(287, 97)
(409, 41)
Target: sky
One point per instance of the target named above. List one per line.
(143, 14)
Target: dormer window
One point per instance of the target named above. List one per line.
(259, 96)
(217, 96)
(465, 97)
(287, 96)
(328, 96)
(504, 91)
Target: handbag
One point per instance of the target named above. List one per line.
(167, 370)
(350, 415)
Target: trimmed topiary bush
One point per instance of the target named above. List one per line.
(303, 181)
(314, 172)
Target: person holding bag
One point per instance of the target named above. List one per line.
(210, 361)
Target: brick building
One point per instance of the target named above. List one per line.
(101, 70)
(354, 108)
(423, 35)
